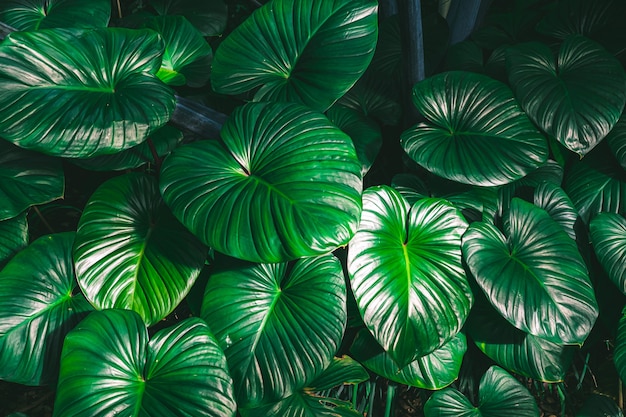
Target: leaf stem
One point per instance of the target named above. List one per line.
(43, 219)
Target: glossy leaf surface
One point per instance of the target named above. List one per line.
(27, 179)
(132, 253)
(600, 405)
(474, 133)
(209, 17)
(28, 15)
(344, 370)
(310, 52)
(406, 274)
(619, 356)
(13, 237)
(533, 274)
(109, 367)
(499, 394)
(616, 139)
(37, 309)
(576, 97)
(302, 404)
(79, 93)
(557, 203)
(279, 324)
(285, 184)
(608, 236)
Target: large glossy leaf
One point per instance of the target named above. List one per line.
(500, 394)
(187, 56)
(608, 236)
(79, 93)
(557, 203)
(371, 97)
(616, 139)
(619, 356)
(209, 17)
(109, 367)
(279, 324)
(596, 184)
(406, 274)
(31, 15)
(514, 349)
(131, 252)
(474, 133)
(27, 179)
(576, 97)
(37, 309)
(310, 52)
(286, 183)
(533, 274)
(13, 237)
(434, 371)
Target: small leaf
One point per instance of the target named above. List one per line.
(608, 236)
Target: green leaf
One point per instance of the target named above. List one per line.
(27, 179)
(576, 97)
(410, 186)
(608, 236)
(37, 309)
(79, 93)
(557, 203)
(533, 274)
(131, 252)
(574, 17)
(599, 405)
(279, 324)
(364, 132)
(302, 404)
(209, 17)
(13, 237)
(499, 394)
(619, 355)
(344, 370)
(596, 184)
(616, 139)
(514, 349)
(108, 367)
(406, 274)
(372, 97)
(29, 15)
(285, 184)
(433, 371)
(474, 133)
(310, 52)
(164, 140)
(186, 52)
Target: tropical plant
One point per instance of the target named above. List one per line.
(370, 208)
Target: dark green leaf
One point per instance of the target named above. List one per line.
(28, 15)
(575, 17)
(533, 274)
(279, 324)
(209, 17)
(108, 367)
(616, 139)
(344, 370)
(599, 405)
(619, 355)
(372, 97)
(556, 202)
(410, 186)
(608, 236)
(131, 252)
(37, 309)
(302, 404)
(13, 237)
(475, 133)
(310, 52)
(79, 93)
(27, 179)
(285, 184)
(576, 97)
(406, 274)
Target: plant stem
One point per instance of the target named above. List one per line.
(391, 394)
(43, 219)
(155, 155)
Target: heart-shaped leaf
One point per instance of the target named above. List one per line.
(533, 274)
(209, 17)
(285, 184)
(608, 236)
(131, 252)
(28, 15)
(310, 52)
(474, 133)
(499, 394)
(108, 367)
(433, 371)
(27, 179)
(187, 56)
(37, 309)
(576, 97)
(13, 237)
(279, 324)
(406, 273)
(79, 93)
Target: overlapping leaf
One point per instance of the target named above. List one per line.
(310, 52)
(279, 324)
(132, 253)
(30, 15)
(37, 309)
(406, 274)
(109, 367)
(209, 17)
(285, 184)
(13, 237)
(79, 93)
(608, 235)
(474, 133)
(616, 139)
